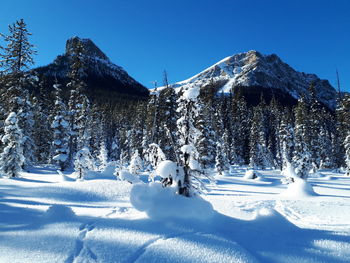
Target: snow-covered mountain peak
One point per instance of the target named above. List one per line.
(253, 69)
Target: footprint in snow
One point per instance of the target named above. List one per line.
(80, 249)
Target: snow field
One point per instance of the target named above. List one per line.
(46, 219)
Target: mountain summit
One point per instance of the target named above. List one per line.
(254, 73)
(101, 75)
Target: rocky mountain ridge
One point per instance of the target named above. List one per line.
(101, 75)
(254, 73)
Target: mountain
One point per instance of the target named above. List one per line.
(253, 74)
(103, 77)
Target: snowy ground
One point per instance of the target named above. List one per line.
(46, 219)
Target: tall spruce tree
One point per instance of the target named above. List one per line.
(302, 155)
(15, 59)
(188, 135)
(61, 132)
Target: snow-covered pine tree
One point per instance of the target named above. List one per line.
(16, 59)
(342, 127)
(206, 140)
(115, 147)
(79, 105)
(11, 159)
(103, 156)
(314, 128)
(154, 156)
(221, 161)
(347, 153)
(188, 135)
(83, 162)
(42, 133)
(61, 131)
(301, 158)
(26, 118)
(136, 163)
(241, 132)
(257, 142)
(286, 134)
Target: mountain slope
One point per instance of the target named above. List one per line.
(102, 76)
(254, 73)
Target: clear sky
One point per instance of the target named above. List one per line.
(186, 36)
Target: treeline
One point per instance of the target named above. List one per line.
(40, 127)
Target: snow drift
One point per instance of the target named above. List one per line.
(163, 203)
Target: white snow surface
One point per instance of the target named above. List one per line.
(47, 218)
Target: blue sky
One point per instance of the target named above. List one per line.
(186, 36)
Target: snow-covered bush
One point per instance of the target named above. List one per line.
(251, 174)
(11, 159)
(170, 172)
(153, 156)
(289, 174)
(299, 189)
(124, 175)
(83, 162)
(136, 163)
(155, 201)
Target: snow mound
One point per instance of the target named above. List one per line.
(167, 168)
(272, 221)
(127, 176)
(59, 213)
(64, 178)
(163, 203)
(299, 189)
(329, 178)
(251, 174)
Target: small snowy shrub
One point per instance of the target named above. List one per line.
(124, 175)
(172, 174)
(136, 164)
(251, 174)
(83, 162)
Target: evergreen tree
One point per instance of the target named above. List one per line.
(103, 157)
(18, 53)
(347, 153)
(221, 161)
(188, 135)
(136, 164)
(79, 105)
(115, 147)
(15, 60)
(301, 159)
(61, 132)
(286, 138)
(206, 140)
(11, 159)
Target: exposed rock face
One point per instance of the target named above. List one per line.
(102, 75)
(254, 73)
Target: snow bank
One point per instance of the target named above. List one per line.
(299, 189)
(272, 221)
(163, 203)
(59, 213)
(64, 178)
(124, 175)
